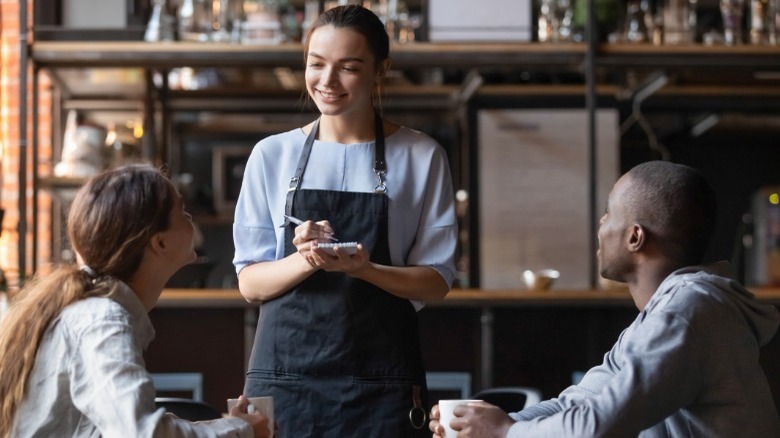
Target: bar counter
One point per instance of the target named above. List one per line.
(502, 337)
(226, 298)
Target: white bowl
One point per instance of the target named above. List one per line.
(540, 280)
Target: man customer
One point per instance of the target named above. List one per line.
(688, 365)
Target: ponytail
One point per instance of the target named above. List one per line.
(31, 312)
(111, 220)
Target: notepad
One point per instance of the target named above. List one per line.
(329, 248)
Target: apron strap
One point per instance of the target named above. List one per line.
(380, 166)
(295, 182)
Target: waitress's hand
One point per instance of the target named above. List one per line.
(341, 262)
(308, 234)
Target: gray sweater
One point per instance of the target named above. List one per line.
(686, 367)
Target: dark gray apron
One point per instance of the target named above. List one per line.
(340, 356)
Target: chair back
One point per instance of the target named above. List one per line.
(188, 409)
(510, 398)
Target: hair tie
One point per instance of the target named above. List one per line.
(90, 272)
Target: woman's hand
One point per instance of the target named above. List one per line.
(258, 421)
(308, 234)
(341, 262)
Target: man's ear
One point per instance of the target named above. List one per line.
(636, 238)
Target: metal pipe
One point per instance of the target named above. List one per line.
(34, 155)
(591, 35)
(486, 347)
(22, 224)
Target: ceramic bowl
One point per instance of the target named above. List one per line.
(540, 280)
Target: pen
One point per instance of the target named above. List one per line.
(294, 220)
(297, 221)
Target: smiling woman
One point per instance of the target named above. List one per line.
(344, 72)
(337, 341)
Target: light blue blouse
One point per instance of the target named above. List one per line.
(421, 221)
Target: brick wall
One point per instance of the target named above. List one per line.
(10, 142)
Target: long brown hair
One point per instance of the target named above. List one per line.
(111, 220)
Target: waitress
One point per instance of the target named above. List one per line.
(337, 340)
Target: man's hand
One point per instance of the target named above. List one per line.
(474, 420)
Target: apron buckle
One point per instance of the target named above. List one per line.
(380, 176)
(417, 415)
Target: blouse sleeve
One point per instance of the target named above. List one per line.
(437, 233)
(254, 236)
(111, 387)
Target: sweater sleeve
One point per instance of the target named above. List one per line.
(646, 377)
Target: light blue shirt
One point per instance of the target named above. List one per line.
(90, 380)
(421, 221)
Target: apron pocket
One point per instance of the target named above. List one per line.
(273, 375)
(385, 380)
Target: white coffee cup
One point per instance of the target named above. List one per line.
(445, 414)
(264, 405)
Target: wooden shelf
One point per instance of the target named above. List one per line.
(61, 182)
(178, 54)
(688, 55)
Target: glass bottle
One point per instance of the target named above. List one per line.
(774, 21)
(732, 11)
(635, 27)
(161, 23)
(311, 10)
(546, 21)
(227, 16)
(195, 17)
(263, 24)
(679, 21)
(564, 24)
(759, 21)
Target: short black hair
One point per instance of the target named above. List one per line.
(677, 205)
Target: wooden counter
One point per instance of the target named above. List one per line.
(501, 337)
(457, 297)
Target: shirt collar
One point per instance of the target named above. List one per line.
(125, 296)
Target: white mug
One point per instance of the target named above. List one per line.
(264, 405)
(445, 414)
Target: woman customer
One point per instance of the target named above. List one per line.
(337, 334)
(71, 343)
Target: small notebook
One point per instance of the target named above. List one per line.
(349, 247)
